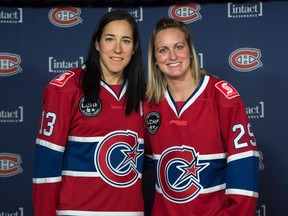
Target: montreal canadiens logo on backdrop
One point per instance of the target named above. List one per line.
(245, 59)
(10, 164)
(117, 157)
(186, 13)
(9, 64)
(179, 174)
(90, 109)
(153, 122)
(65, 16)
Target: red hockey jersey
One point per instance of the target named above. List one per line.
(205, 153)
(88, 156)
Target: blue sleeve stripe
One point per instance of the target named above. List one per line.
(48, 162)
(80, 157)
(242, 174)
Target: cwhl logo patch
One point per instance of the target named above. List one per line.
(117, 157)
(9, 64)
(227, 89)
(179, 174)
(65, 16)
(245, 59)
(153, 121)
(90, 109)
(10, 164)
(186, 13)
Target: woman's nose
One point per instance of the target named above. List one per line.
(117, 48)
(172, 55)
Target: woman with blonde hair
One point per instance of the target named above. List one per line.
(197, 133)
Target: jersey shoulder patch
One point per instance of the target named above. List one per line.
(61, 79)
(227, 89)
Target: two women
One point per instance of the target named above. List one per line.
(90, 144)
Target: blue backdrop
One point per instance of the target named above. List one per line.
(243, 43)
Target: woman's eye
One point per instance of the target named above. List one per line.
(179, 47)
(109, 39)
(127, 41)
(163, 50)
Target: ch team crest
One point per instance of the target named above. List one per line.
(179, 174)
(117, 157)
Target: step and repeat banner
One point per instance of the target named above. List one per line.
(243, 43)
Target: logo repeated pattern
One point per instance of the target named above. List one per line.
(19, 69)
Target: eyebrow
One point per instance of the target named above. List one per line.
(112, 35)
(178, 43)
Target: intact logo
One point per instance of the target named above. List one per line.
(9, 64)
(117, 157)
(153, 121)
(179, 174)
(62, 78)
(60, 66)
(186, 13)
(10, 164)
(245, 10)
(227, 89)
(137, 13)
(255, 112)
(90, 109)
(12, 116)
(245, 59)
(201, 59)
(65, 17)
(18, 212)
(262, 210)
(11, 15)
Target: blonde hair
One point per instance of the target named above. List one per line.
(156, 84)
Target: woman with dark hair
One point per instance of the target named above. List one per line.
(198, 133)
(132, 73)
(89, 148)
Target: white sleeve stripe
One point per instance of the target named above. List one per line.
(242, 192)
(222, 187)
(50, 145)
(243, 155)
(212, 156)
(203, 190)
(98, 213)
(85, 139)
(46, 180)
(202, 157)
(93, 139)
(213, 189)
(84, 174)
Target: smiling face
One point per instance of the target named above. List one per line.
(115, 49)
(172, 53)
